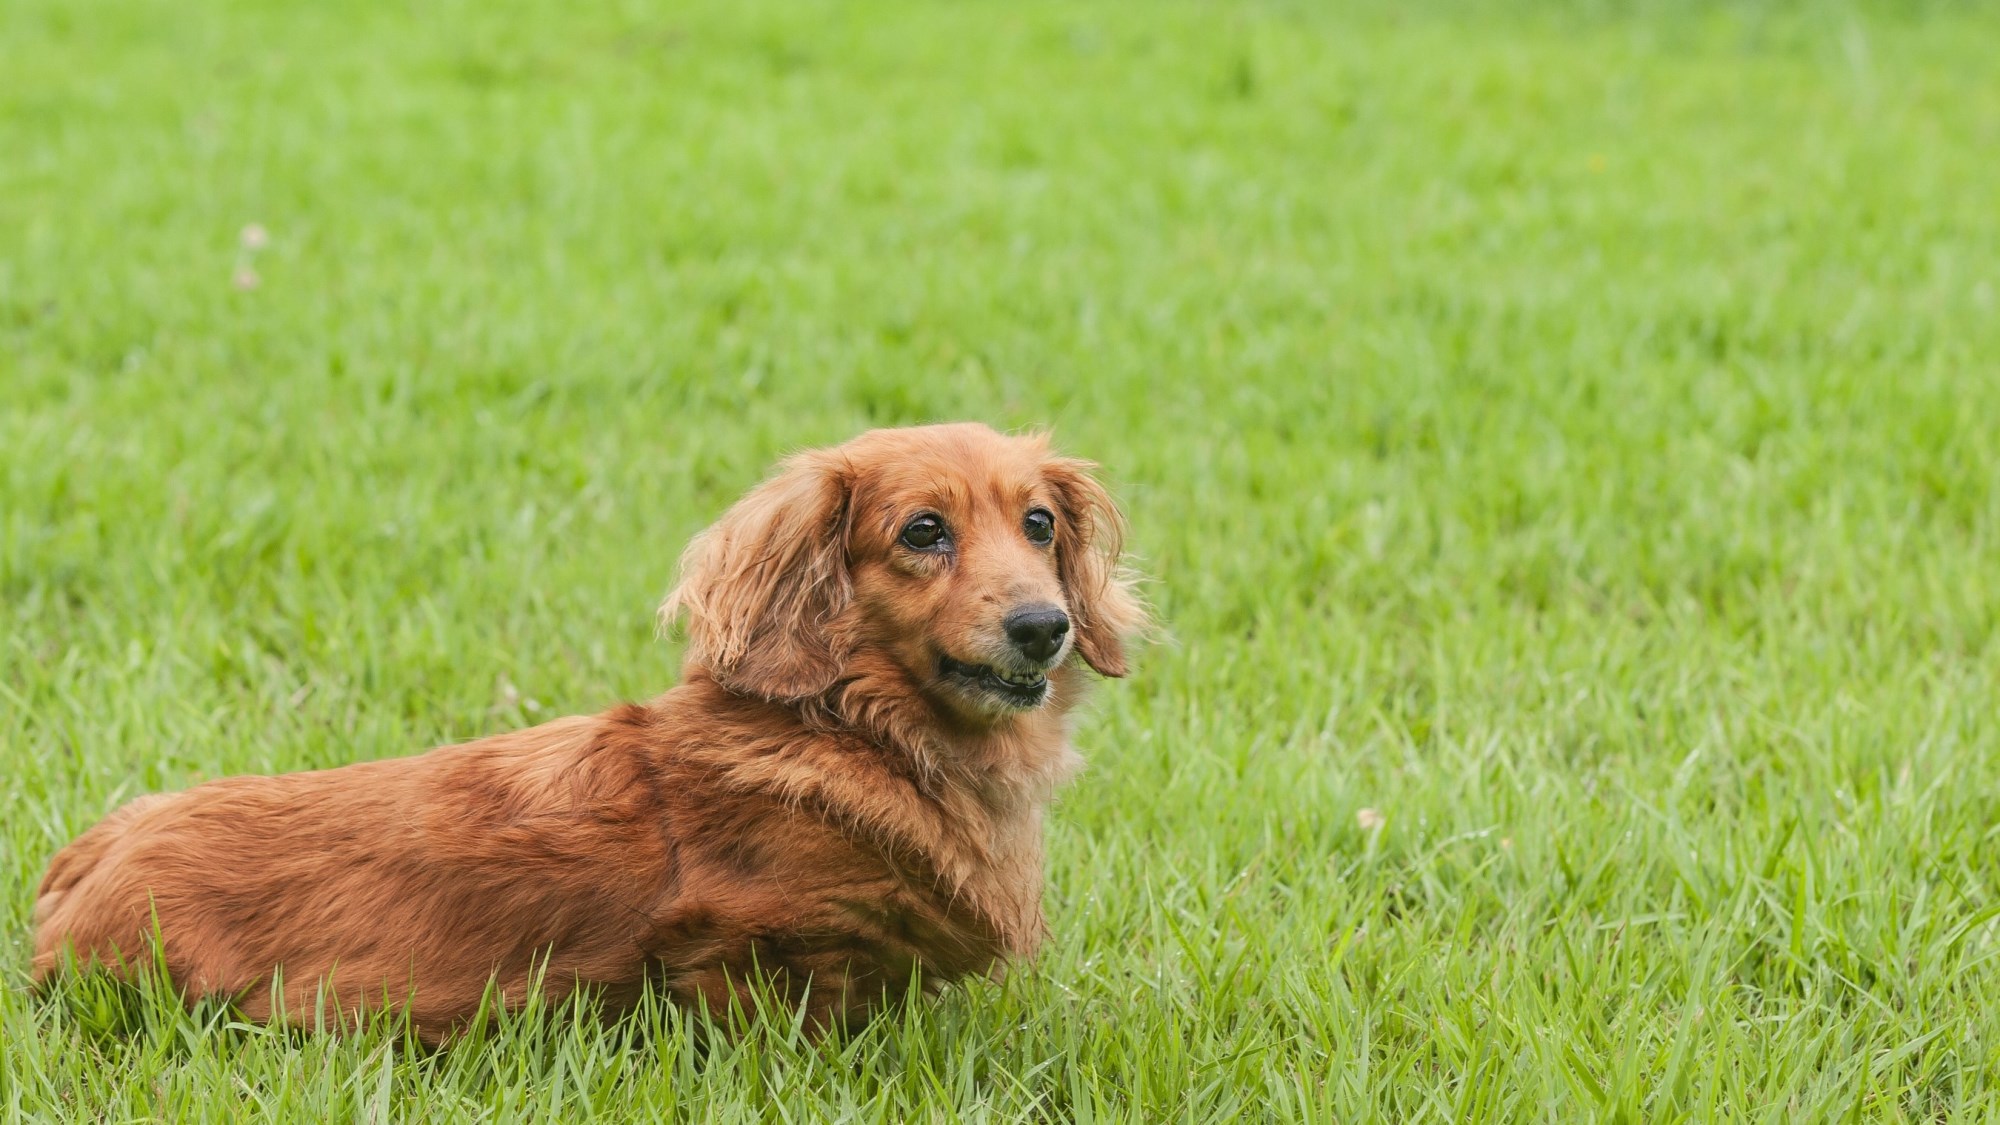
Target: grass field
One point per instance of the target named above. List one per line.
(1568, 432)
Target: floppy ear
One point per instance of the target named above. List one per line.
(1090, 537)
(761, 588)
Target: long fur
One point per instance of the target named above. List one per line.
(812, 804)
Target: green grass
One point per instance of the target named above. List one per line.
(1568, 431)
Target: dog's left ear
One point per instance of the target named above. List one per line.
(1090, 538)
(761, 589)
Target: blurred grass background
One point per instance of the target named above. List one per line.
(1567, 430)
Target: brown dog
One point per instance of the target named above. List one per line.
(848, 786)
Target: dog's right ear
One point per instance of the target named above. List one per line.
(761, 589)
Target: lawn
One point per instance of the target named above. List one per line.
(1563, 440)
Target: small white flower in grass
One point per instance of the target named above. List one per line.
(255, 237)
(246, 278)
(1370, 820)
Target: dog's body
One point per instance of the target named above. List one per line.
(835, 798)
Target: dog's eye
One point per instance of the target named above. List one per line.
(923, 533)
(1040, 526)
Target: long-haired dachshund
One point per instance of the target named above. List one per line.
(845, 794)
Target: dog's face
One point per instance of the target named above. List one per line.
(953, 557)
(978, 563)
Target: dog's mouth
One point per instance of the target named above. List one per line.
(1018, 689)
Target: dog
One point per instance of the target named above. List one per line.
(844, 794)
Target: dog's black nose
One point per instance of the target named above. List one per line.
(1038, 630)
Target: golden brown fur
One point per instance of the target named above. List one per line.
(821, 797)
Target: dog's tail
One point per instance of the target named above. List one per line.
(71, 866)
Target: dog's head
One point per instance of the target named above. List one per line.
(978, 563)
